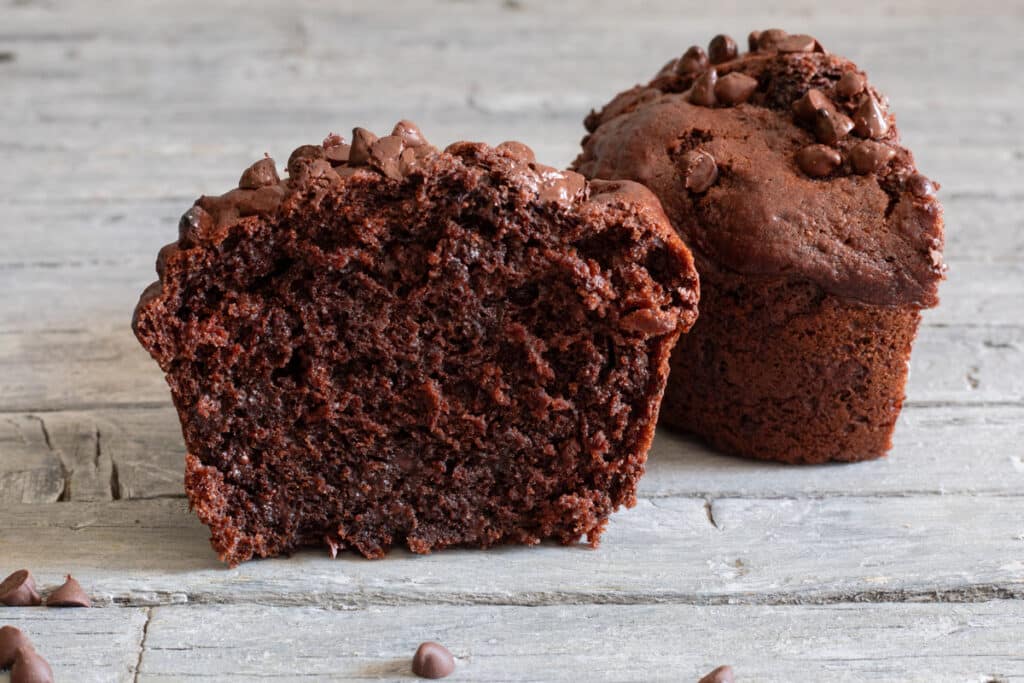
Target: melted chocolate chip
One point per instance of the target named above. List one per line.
(768, 40)
(818, 161)
(410, 133)
(195, 226)
(263, 172)
(807, 106)
(869, 156)
(869, 120)
(722, 674)
(699, 170)
(735, 88)
(703, 91)
(19, 590)
(303, 155)
(850, 83)
(831, 126)
(920, 186)
(694, 60)
(69, 595)
(29, 667)
(722, 48)
(338, 153)
(433, 660)
(797, 43)
(11, 640)
(384, 156)
(518, 151)
(362, 140)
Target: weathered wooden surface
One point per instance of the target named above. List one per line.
(115, 116)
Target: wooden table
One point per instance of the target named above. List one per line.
(115, 115)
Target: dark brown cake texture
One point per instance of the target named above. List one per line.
(817, 241)
(402, 345)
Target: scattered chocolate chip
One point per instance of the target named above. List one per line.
(735, 88)
(11, 640)
(362, 140)
(818, 161)
(768, 40)
(694, 60)
(752, 40)
(869, 120)
(19, 590)
(703, 90)
(69, 595)
(920, 186)
(384, 155)
(699, 170)
(432, 660)
(722, 48)
(869, 156)
(410, 133)
(518, 151)
(850, 83)
(722, 674)
(807, 106)
(303, 155)
(29, 667)
(831, 126)
(797, 43)
(262, 173)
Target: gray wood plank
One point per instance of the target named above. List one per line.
(30, 472)
(887, 642)
(665, 550)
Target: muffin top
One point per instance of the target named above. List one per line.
(780, 161)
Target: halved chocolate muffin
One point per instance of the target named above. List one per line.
(399, 345)
(817, 240)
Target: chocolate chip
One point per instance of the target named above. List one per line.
(11, 640)
(410, 133)
(337, 154)
(869, 156)
(667, 70)
(19, 590)
(735, 88)
(384, 155)
(432, 660)
(767, 40)
(694, 60)
(807, 106)
(262, 173)
(722, 674)
(831, 126)
(518, 151)
(850, 83)
(722, 48)
(303, 155)
(752, 39)
(920, 186)
(362, 140)
(195, 226)
(29, 667)
(869, 120)
(703, 90)
(699, 170)
(818, 161)
(69, 595)
(797, 43)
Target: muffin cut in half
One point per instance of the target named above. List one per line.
(402, 345)
(817, 241)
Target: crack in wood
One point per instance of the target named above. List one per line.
(142, 644)
(66, 473)
(709, 511)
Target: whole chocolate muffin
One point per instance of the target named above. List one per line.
(402, 345)
(817, 241)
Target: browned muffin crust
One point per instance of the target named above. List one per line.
(399, 345)
(817, 240)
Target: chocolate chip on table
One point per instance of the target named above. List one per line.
(807, 106)
(869, 120)
(797, 43)
(722, 48)
(818, 161)
(869, 156)
(694, 60)
(262, 173)
(19, 590)
(920, 186)
(362, 140)
(703, 91)
(735, 88)
(432, 660)
(850, 83)
(722, 674)
(699, 170)
(11, 639)
(831, 126)
(29, 667)
(69, 595)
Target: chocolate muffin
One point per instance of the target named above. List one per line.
(399, 345)
(817, 240)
